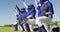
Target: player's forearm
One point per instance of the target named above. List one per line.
(29, 16)
(22, 22)
(25, 4)
(48, 13)
(18, 8)
(36, 2)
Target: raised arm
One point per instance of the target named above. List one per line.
(36, 3)
(15, 10)
(45, 10)
(18, 8)
(25, 4)
(29, 16)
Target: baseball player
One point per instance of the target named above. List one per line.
(45, 14)
(17, 27)
(30, 15)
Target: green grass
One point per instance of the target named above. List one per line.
(7, 29)
(53, 26)
(11, 29)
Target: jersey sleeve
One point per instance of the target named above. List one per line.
(24, 15)
(36, 3)
(51, 7)
(26, 6)
(32, 13)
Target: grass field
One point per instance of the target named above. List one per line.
(7, 29)
(11, 29)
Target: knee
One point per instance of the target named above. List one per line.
(18, 22)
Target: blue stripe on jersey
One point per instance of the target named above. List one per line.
(50, 9)
(40, 12)
(24, 15)
(33, 12)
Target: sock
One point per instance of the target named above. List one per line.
(35, 29)
(46, 27)
(39, 29)
(43, 28)
(16, 27)
(22, 27)
(27, 27)
(31, 28)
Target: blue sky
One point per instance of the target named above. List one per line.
(7, 8)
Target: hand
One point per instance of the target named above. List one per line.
(22, 23)
(46, 13)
